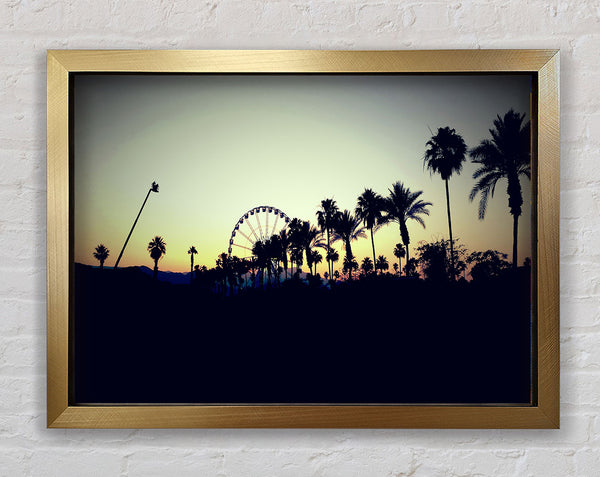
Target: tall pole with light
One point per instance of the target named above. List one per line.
(153, 188)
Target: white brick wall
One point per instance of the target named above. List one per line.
(28, 28)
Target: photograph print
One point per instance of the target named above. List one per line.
(302, 239)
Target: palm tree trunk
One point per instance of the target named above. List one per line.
(373, 245)
(132, 227)
(515, 234)
(450, 231)
(192, 269)
(329, 262)
(155, 272)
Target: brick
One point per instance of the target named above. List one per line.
(180, 462)
(585, 51)
(91, 462)
(468, 462)
(44, 15)
(378, 18)
(431, 16)
(547, 462)
(15, 462)
(22, 355)
(587, 462)
(22, 168)
(21, 395)
(580, 351)
(581, 388)
(22, 205)
(578, 311)
(22, 317)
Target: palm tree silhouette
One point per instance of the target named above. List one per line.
(101, 253)
(284, 243)
(381, 264)
(313, 238)
(444, 156)
(332, 257)
(296, 236)
(326, 218)
(403, 205)
(192, 251)
(347, 229)
(369, 209)
(316, 259)
(350, 264)
(153, 188)
(399, 253)
(157, 248)
(506, 156)
(366, 265)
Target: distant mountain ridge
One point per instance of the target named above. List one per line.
(176, 278)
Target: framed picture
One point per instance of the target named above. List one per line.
(352, 239)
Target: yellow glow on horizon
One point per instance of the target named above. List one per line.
(220, 145)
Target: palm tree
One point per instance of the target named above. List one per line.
(157, 248)
(101, 253)
(192, 251)
(347, 229)
(350, 264)
(313, 238)
(399, 253)
(296, 235)
(316, 259)
(332, 257)
(326, 218)
(153, 188)
(369, 209)
(284, 243)
(506, 156)
(223, 267)
(366, 265)
(381, 264)
(444, 156)
(403, 205)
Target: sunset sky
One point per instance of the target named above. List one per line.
(219, 145)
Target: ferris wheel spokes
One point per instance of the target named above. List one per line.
(245, 234)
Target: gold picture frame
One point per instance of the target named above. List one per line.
(542, 64)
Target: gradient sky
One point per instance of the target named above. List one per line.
(219, 145)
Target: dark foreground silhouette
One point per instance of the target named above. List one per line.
(384, 340)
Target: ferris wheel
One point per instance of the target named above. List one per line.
(258, 224)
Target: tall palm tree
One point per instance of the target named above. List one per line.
(369, 209)
(347, 229)
(192, 251)
(445, 155)
(284, 243)
(399, 253)
(316, 259)
(326, 218)
(313, 238)
(332, 257)
(101, 253)
(403, 205)
(153, 188)
(296, 235)
(157, 248)
(506, 156)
